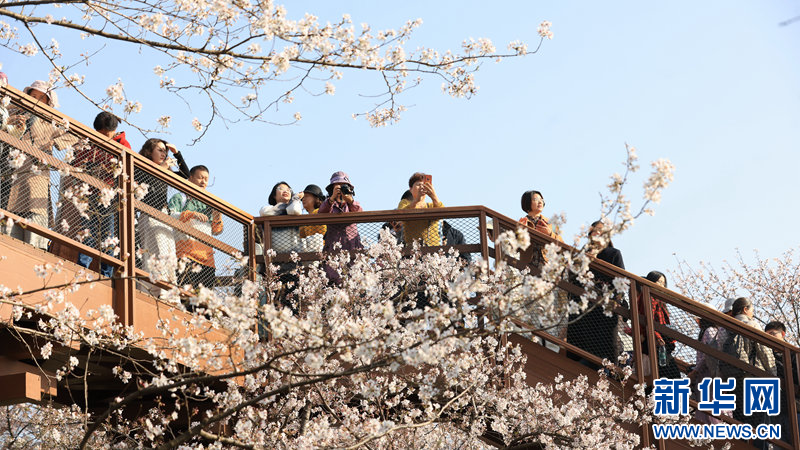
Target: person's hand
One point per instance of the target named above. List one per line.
(430, 191)
(189, 215)
(300, 195)
(171, 148)
(337, 193)
(661, 342)
(16, 121)
(347, 198)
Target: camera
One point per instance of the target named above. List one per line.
(347, 189)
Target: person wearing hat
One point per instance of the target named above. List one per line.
(43, 92)
(29, 193)
(728, 306)
(312, 200)
(340, 200)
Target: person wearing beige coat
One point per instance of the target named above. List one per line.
(29, 196)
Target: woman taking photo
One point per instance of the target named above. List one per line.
(426, 231)
(341, 201)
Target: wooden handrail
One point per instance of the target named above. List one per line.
(191, 190)
(81, 131)
(61, 239)
(603, 267)
(52, 161)
(185, 228)
(400, 215)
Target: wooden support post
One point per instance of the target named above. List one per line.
(789, 392)
(637, 352)
(21, 387)
(651, 343)
(125, 288)
(484, 237)
(251, 250)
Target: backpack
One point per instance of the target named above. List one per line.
(739, 347)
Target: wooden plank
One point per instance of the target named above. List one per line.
(17, 271)
(57, 164)
(54, 236)
(184, 228)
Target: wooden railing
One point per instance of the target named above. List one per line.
(49, 155)
(480, 227)
(682, 309)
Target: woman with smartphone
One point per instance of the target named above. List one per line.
(425, 231)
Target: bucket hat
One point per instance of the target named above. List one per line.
(338, 178)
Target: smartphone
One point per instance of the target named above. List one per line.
(428, 179)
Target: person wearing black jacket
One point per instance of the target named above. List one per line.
(154, 237)
(157, 150)
(592, 330)
(453, 236)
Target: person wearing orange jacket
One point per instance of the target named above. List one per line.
(532, 203)
(204, 219)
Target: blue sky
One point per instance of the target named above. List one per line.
(712, 86)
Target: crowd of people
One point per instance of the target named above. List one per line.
(25, 192)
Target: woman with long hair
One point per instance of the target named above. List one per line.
(157, 239)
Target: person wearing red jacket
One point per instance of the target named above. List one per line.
(660, 316)
(99, 163)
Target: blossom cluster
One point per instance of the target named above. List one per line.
(404, 343)
(216, 47)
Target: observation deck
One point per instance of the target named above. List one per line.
(63, 163)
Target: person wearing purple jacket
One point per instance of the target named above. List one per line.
(340, 200)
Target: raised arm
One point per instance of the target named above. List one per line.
(273, 210)
(325, 207)
(183, 169)
(295, 207)
(355, 207)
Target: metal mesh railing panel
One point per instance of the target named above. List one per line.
(53, 178)
(183, 240)
(437, 233)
